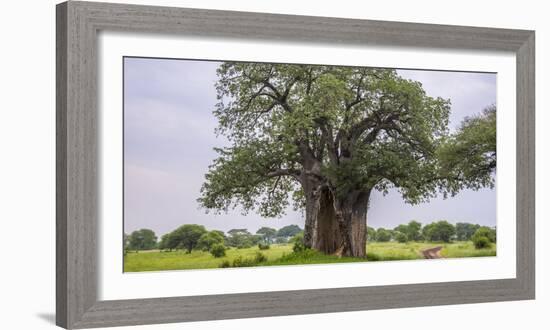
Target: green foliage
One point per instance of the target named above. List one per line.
(260, 257)
(412, 230)
(383, 235)
(283, 255)
(483, 237)
(281, 240)
(465, 231)
(298, 242)
(187, 236)
(440, 231)
(208, 239)
(169, 241)
(263, 246)
(289, 231)
(371, 234)
(217, 250)
(481, 242)
(468, 158)
(279, 117)
(267, 234)
(143, 239)
(242, 238)
(249, 262)
(400, 237)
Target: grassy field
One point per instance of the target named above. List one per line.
(281, 254)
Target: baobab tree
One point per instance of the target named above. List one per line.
(327, 136)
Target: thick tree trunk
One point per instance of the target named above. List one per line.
(336, 226)
(351, 216)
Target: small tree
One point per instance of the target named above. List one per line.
(414, 231)
(188, 236)
(400, 237)
(143, 239)
(169, 242)
(383, 235)
(281, 240)
(371, 234)
(465, 231)
(289, 231)
(440, 231)
(483, 237)
(218, 250)
(267, 234)
(207, 240)
(411, 230)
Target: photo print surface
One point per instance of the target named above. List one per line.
(241, 164)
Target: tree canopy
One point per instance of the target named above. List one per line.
(469, 157)
(289, 231)
(328, 136)
(143, 239)
(353, 128)
(267, 234)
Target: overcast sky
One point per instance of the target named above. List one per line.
(169, 137)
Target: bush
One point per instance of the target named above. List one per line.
(244, 246)
(259, 258)
(401, 237)
(240, 262)
(481, 242)
(225, 264)
(373, 257)
(490, 233)
(383, 235)
(298, 241)
(483, 237)
(262, 246)
(218, 250)
(209, 239)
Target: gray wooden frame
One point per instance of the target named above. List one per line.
(77, 152)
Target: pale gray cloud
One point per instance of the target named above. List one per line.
(169, 140)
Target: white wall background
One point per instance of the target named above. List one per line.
(27, 166)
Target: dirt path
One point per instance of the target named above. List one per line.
(433, 253)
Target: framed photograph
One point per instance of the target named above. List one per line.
(217, 165)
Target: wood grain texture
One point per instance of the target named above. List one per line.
(77, 157)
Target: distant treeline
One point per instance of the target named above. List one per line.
(191, 237)
(439, 231)
(196, 237)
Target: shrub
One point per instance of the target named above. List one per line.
(225, 264)
(373, 257)
(483, 237)
(240, 262)
(218, 250)
(259, 258)
(244, 246)
(262, 246)
(209, 239)
(481, 242)
(490, 233)
(383, 235)
(298, 241)
(401, 237)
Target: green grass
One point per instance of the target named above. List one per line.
(156, 260)
(281, 254)
(413, 250)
